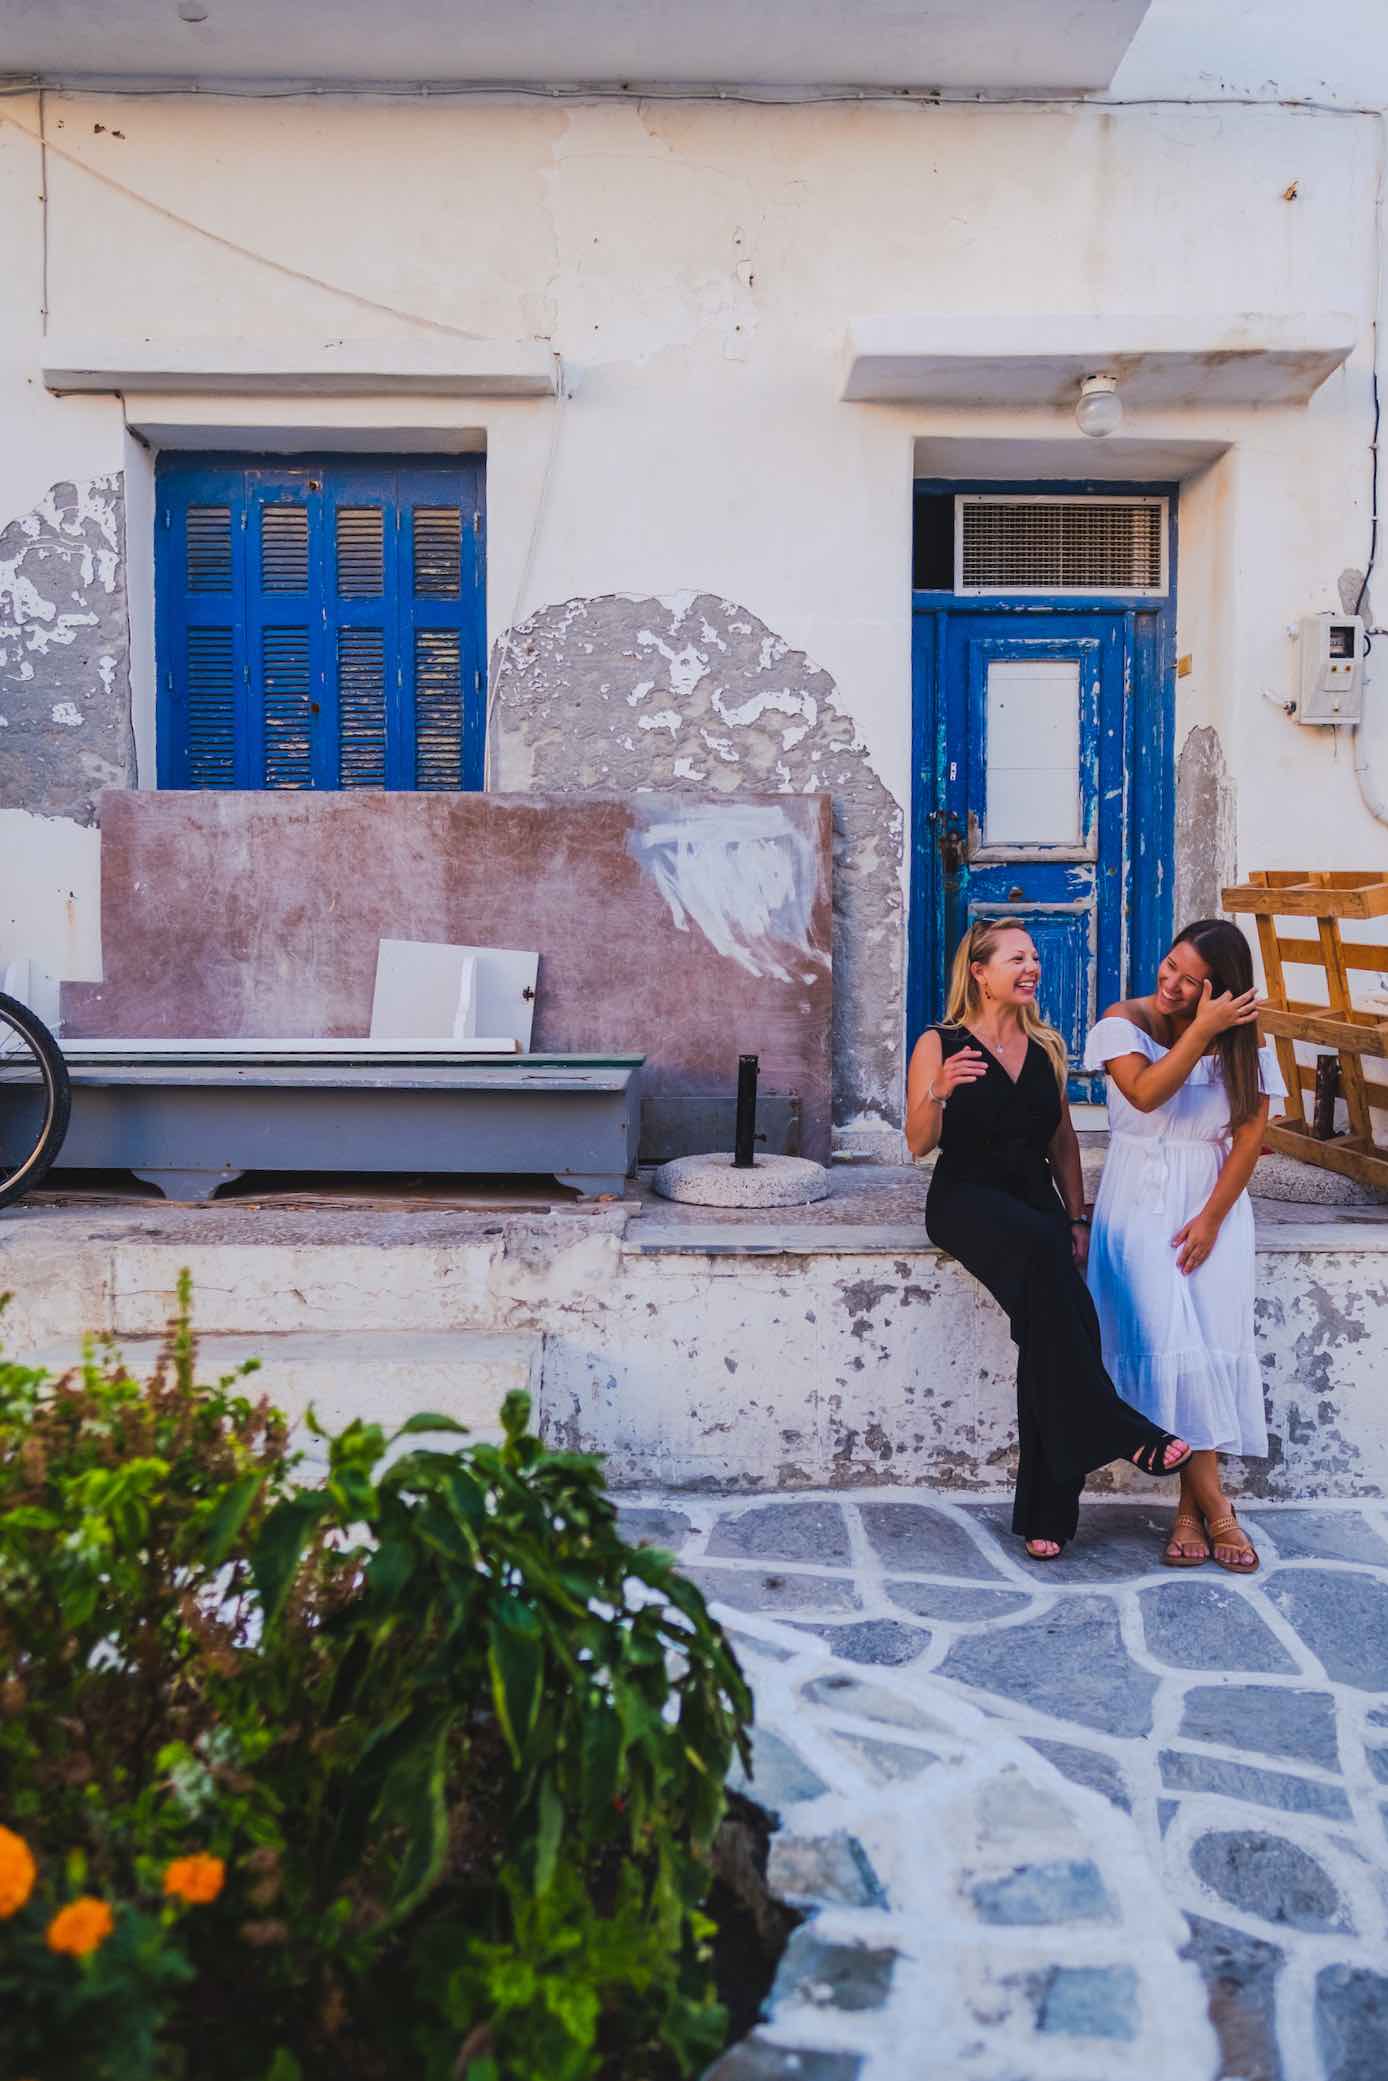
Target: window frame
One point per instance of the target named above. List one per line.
(328, 480)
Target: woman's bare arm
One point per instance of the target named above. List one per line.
(929, 1072)
(1148, 1085)
(1066, 1167)
(1197, 1239)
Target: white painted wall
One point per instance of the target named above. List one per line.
(697, 266)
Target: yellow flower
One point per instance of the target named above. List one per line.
(17, 1873)
(195, 1879)
(81, 1927)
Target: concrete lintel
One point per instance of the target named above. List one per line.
(1226, 359)
(437, 367)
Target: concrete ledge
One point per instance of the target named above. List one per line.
(701, 1356)
(1229, 358)
(437, 367)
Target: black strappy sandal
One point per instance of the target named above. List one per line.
(1150, 1458)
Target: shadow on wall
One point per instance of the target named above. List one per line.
(695, 692)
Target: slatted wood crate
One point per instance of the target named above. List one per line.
(1322, 901)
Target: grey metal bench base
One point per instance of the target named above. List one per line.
(189, 1126)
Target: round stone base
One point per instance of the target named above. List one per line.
(773, 1181)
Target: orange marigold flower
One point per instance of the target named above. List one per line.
(195, 1879)
(81, 1927)
(17, 1873)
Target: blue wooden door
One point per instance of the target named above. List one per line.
(1030, 820)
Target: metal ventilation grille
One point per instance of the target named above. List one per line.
(1069, 545)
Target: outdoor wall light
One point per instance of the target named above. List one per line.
(1100, 409)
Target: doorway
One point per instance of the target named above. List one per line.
(1043, 669)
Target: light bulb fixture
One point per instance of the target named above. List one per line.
(1100, 408)
(192, 11)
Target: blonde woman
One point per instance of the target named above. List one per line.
(988, 1089)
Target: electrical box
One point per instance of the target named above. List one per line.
(1332, 669)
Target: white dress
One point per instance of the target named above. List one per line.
(1179, 1346)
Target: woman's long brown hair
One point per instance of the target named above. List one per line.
(1224, 951)
(966, 999)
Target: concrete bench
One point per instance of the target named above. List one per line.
(189, 1116)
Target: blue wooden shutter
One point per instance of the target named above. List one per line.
(320, 623)
(440, 550)
(201, 613)
(284, 723)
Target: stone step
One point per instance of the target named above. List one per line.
(381, 1376)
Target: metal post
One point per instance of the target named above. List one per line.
(744, 1139)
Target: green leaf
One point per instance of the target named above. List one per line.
(515, 1660)
(602, 1761)
(515, 1415)
(390, 1568)
(280, 1548)
(229, 1516)
(284, 2067)
(426, 1420)
(28, 1517)
(414, 1798)
(549, 1832)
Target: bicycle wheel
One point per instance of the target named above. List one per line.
(35, 1099)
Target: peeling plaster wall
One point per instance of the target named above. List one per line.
(64, 653)
(698, 693)
(1206, 839)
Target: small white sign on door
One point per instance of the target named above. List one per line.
(1033, 781)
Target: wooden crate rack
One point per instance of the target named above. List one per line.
(1323, 901)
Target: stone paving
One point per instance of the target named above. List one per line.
(1053, 1822)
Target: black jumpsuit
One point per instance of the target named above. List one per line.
(993, 1205)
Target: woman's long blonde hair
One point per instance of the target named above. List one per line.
(966, 999)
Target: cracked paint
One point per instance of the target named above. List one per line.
(720, 702)
(64, 651)
(1206, 845)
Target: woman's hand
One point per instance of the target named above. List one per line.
(1079, 1243)
(1215, 1015)
(1195, 1241)
(964, 1067)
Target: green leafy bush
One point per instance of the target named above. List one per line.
(412, 1770)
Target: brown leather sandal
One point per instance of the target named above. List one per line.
(1219, 1528)
(1183, 1525)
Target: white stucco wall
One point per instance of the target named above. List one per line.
(697, 267)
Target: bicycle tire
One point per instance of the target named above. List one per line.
(57, 1108)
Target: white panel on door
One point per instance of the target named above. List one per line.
(1033, 779)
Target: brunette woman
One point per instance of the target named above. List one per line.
(1007, 1199)
(1171, 1266)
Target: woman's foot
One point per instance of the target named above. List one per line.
(1233, 1549)
(1045, 1549)
(1162, 1454)
(1187, 1547)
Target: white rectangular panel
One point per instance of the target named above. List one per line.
(1032, 789)
(420, 987)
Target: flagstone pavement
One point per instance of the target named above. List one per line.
(1057, 1822)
